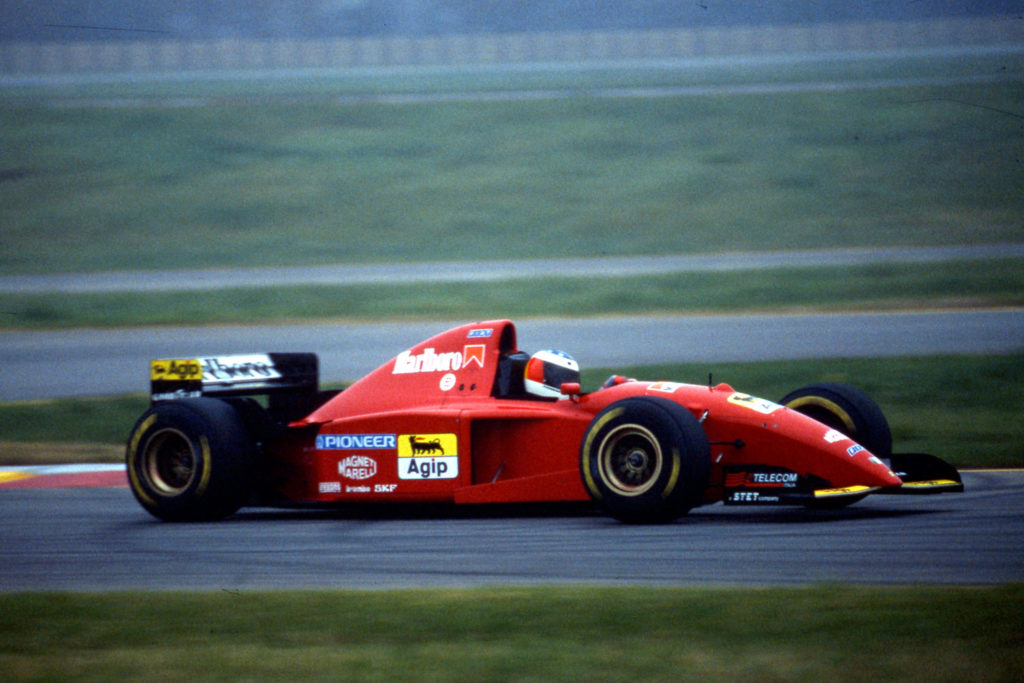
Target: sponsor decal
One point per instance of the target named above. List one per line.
(330, 487)
(428, 456)
(473, 353)
(666, 387)
(176, 395)
(357, 489)
(761, 479)
(448, 382)
(357, 467)
(384, 488)
(431, 361)
(854, 449)
(179, 370)
(354, 442)
(233, 368)
(835, 436)
(482, 333)
(759, 405)
(751, 497)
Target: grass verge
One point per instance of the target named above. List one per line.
(578, 634)
(300, 182)
(877, 287)
(953, 406)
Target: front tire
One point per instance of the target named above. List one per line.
(647, 460)
(846, 409)
(190, 460)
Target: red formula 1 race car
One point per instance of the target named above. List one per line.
(465, 417)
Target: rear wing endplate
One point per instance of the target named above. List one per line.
(238, 375)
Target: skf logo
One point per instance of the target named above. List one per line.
(428, 456)
(175, 370)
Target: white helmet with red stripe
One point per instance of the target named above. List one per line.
(547, 370)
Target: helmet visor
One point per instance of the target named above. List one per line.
(556, 375)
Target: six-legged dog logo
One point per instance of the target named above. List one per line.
(432, 447)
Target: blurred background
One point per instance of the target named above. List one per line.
(122, 35)
(357, 170)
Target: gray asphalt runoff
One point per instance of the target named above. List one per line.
(100, 539)
(42, 365)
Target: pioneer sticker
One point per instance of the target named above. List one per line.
(354, 442)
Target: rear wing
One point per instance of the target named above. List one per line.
(239, 375)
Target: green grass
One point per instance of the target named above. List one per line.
(976, 284)
(500, 634)
(953, 406)
(86, 189)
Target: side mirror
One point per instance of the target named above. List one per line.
(570, 388)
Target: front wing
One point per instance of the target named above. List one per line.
(769, 485)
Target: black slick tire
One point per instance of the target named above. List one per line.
(846, 409)
(646, 460)
(850, 411)
(190, 460)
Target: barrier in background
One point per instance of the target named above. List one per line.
(484, 49)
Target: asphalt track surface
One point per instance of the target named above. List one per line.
(42, 365)
(100, 539)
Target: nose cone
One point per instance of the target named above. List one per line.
(871, 469)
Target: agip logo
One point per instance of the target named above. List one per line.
(428, 456)
(182, 370)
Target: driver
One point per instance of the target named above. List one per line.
(547, 370)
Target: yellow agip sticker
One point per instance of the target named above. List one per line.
(427, 445)
(176, 370)
(428, 456)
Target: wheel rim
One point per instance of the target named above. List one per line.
(169, 462)
(630, 459)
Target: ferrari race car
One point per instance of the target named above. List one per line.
(466, 417)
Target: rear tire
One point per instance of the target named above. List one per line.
(190, 460)
(647, 460)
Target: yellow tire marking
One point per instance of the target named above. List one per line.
(674, 477)
(830, 406)
(204, 480)
(133, 448)
(588, 478)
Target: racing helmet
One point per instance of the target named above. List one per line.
(547, 370)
